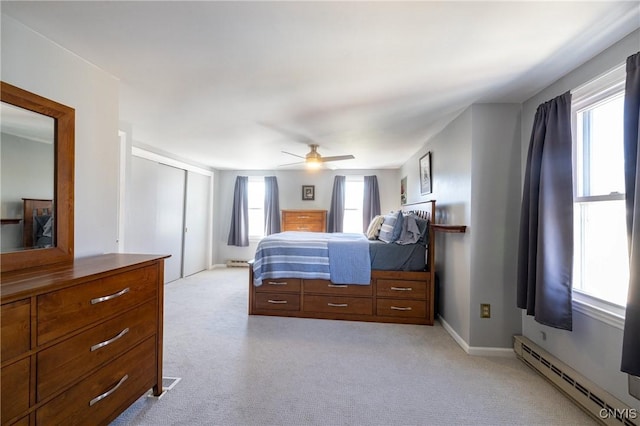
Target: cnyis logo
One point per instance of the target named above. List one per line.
(618, 413)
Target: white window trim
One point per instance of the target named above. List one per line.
(256, 238)
(586, 95)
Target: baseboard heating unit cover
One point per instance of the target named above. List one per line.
(237, 263)
(594, 400)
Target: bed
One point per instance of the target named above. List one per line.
(37, 229)
(395, 291)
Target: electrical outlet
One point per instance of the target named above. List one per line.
(485, 310)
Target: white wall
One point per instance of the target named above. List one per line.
(451, 185)
(593, 348)
(36, 64)
(495, 218)
(290, 186)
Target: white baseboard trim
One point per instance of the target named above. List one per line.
(218, 265)
(475, 350)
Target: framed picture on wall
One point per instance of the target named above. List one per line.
(425, 174)
(308, 192)
(403, 191)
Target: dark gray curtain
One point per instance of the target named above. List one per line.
(239, 231)
(371, 203)
(631, 339)
(336, 212)
(545, 252)
(271, 205)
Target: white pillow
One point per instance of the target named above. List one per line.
(374, 227)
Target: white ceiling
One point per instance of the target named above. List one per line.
(231, 84)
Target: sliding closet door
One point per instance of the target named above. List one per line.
(140, 214)
(170, 219)
(196, 223)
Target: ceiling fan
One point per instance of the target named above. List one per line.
(314, 159)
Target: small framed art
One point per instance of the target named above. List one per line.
(308, 192)
(425, 173)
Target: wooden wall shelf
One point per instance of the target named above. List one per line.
(10, 221)
(452, 229)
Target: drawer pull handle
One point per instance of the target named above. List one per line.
(304, 217)
(337, 285)
(109, 297)
(276, 283)
(110, 341)
(338, 305)
(280, 302)
(401, 288)
(397, 308)
(109, 392)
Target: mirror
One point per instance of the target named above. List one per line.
(37, 180)
(27, 177)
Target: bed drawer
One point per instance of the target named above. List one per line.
(278, 301)
(329, 288)
(402, 308)
(119, 384)
(69, 309)
(335, 304)
(61, 364)
(14, 386)
(401, 289)
(15, 335)
(279, 285)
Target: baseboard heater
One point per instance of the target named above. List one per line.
(594, 400)
(237, 263)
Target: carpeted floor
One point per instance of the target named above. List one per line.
(241, 370)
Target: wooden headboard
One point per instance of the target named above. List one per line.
(33, 207)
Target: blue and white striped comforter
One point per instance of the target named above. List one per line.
(339, 257)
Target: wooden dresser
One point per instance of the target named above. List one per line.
(393, 296)
(82, 340)
(304, 220)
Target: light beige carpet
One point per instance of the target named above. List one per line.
(241, 370)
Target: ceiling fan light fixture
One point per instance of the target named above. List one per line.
(313, 163)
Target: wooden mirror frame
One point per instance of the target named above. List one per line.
(64, 118)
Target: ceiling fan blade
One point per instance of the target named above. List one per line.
(295, 155)
(337, 158)
(291, 164)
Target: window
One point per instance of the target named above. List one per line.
(256, 206)
(353, 200)
(601, 261)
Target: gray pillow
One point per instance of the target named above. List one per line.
(391, 227)
(410, 232)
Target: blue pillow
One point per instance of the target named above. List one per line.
(391, 227)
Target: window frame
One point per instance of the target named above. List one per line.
(359, 179)
(585, 97)
(253, 236)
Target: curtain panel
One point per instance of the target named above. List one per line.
(371, 201)
(239, 230)
(271, 206)
(631, 339)
(336, 212)
(545, 252)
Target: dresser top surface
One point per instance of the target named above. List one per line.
(32, 281)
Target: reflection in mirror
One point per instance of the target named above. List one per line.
(27, 164)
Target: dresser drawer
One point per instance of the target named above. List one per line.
(63, 363)
(15, 337)
(278, 285)
(336, 304)
(119, 384)
(304, 220)
(402, 308)
(66, 310)
(329, 288)
(14, 386)
(278, 301)
(401, 289)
